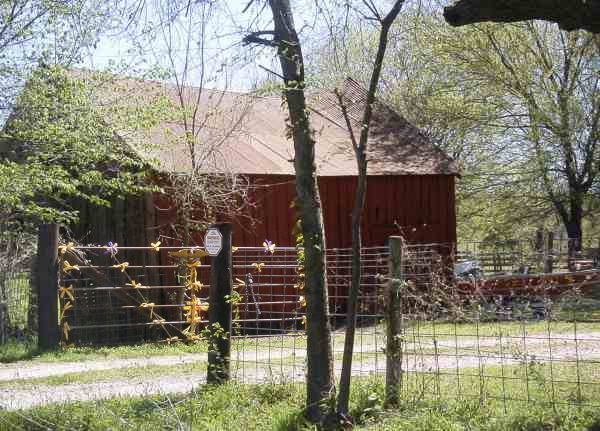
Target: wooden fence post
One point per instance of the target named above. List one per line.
(393, 300)
(219, 311)
(47, 286)
(548, 265)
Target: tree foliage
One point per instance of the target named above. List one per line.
(61, 143)
(512, 103)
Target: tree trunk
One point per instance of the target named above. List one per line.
(360, 150)
(320, 384)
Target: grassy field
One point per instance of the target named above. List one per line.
(278, 407)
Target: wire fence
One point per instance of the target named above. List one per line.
(17, 299)
(508, 336)
(488, 339)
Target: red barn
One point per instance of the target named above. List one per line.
(410, 190)
(411, 183)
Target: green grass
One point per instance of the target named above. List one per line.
(279, 407)
(13, 351)
(496, 328)
(146, 373)
(423, 330)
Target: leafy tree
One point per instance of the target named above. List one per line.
(491, 97)
(61, 143)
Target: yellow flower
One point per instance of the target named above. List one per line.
(155, 245)
(122, 266)
(66, 291)
(68, 267)
(66, 328)
(258, 266)
(62, 249)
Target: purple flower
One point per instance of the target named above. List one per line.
(269, 246)
(112, 248)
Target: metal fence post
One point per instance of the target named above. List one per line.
(47, 286)
(219, 311)
(393, 311)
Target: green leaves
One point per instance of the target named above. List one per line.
(63, 142)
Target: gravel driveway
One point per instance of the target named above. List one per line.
(284, 364)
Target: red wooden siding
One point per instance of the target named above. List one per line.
(419, 207)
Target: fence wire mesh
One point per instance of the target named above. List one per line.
(17, 299)
(506, 336)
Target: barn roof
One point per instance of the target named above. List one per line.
(246, 134)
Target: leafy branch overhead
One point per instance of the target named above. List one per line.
(61, 142)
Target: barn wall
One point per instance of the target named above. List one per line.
(422, 208)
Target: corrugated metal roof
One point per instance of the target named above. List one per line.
(246, 134)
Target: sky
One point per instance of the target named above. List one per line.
(225, 31)
(228, 63)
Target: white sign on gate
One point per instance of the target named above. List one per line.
(213, 242)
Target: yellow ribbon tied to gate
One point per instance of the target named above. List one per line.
(258, 266)
(66, 328)
(66, 291)
(195, 285)
(302, 301)
(67, 267)
(65, 307)
(122, 266)
(134, 284)
(155, 245)
(62, 249)
(193, 264)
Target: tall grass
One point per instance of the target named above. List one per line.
(279, 407)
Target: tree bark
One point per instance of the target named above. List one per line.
(320, 383)
(570, 15)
